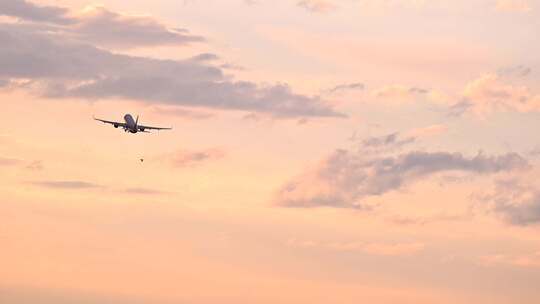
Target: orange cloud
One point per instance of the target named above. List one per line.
(521, 6)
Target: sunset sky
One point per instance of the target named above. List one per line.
(322, 151)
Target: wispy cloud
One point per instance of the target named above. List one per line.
(378, 249)
(526, 260)
(4, 161)
(188, 158)
(31, 165)
(399, 92)
(143, 191)
(75, 185)
(317, 6)
(346, 87)
(183, 113)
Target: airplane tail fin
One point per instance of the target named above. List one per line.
(137, 121)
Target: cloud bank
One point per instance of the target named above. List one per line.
(60, 61)
(345, 178)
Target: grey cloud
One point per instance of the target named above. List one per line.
(517, 202)
(345, 178)
(515, 71)
(346, 87)
(61, 67)
(460, 108)
(29, 11)
(205, 57)
(75, 185)
(392, 140)
(415, 90)
(527, 212)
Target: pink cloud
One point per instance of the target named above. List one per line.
(491, 93)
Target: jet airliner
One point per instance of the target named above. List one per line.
(131, 125)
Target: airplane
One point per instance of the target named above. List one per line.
(130, 125)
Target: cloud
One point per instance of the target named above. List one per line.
(29, 11)
(345, 178)
(421, 221)
(9, 161)
(205, 57)
(399, 92)
(515, 71)
(316, 6)
(106, 28)
(30, 165)
(99, 26)
(59, 67)
(184, 158)
(74, 185)
(516, 201)
(387, 142)
(347, 87)
(393, 4)
(520, 6)
(35, 165)
(378, 249)
(398, 249)
(494, 93)
(143, 191)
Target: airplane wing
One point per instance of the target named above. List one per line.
(116, 124)
(142, 128)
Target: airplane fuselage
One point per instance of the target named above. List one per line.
(131, 124)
